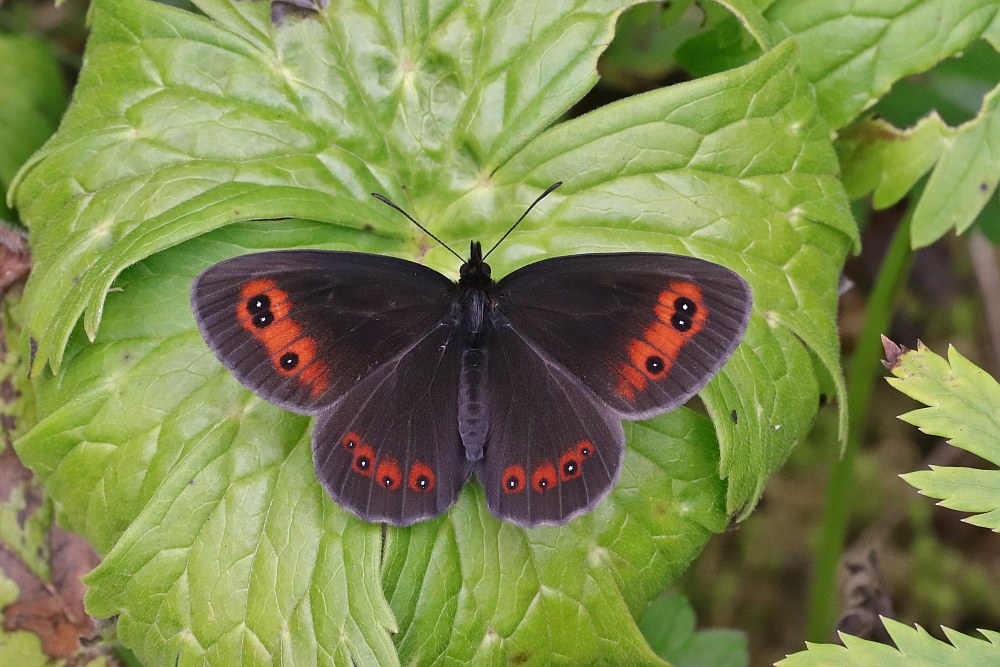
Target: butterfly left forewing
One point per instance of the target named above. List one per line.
(552, 450)
(301, 327)
(643, 331)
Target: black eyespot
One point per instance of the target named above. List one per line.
(261, 320)
(257, 304)
(423, 481)
(351, 443)
(685, 305)
(387, 481)
(363, 463)
(512, 482)
(543, 483)
(654, 364)
(569, 468)
(680, 322)
(289, 360)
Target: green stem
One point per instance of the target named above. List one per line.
(862, 371)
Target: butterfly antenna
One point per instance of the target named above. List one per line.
(386, 200)
(540, 198)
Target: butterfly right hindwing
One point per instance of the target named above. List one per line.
(552, 449)
(390, 450)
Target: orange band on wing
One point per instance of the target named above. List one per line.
(679, 314)
(265, 312)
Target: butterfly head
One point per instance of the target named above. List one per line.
(474, 272)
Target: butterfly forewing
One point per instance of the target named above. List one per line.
(552, 449)
(390, 450)
(643, 331)
(301, 328)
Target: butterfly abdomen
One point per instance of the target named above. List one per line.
(472, 412)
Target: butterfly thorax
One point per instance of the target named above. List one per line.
(475, 288)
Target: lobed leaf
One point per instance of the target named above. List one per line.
(962, 402)
(914, 648)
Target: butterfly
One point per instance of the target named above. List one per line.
(417, 381)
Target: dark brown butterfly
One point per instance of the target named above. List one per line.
(418, 381)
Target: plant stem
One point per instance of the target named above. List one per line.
(862, 371)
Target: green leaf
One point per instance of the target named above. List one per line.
(914, 648)
(877, 157)
(888, 162)
(220, 544)
(962, 402)
(226, 549)
(669, 627)
(877, 44)
(964, 179)
(33, 100)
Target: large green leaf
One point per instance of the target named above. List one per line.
(962, 402)
(220, 544)
(853, 50)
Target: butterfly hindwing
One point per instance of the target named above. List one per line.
(552, 450)
(300, 328)
(643, 331)
(390, 450)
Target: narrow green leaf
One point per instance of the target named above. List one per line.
(31, 88)
(962, 402)
(964, 179)
(914, 648)
(669, 627)
(887, 162)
